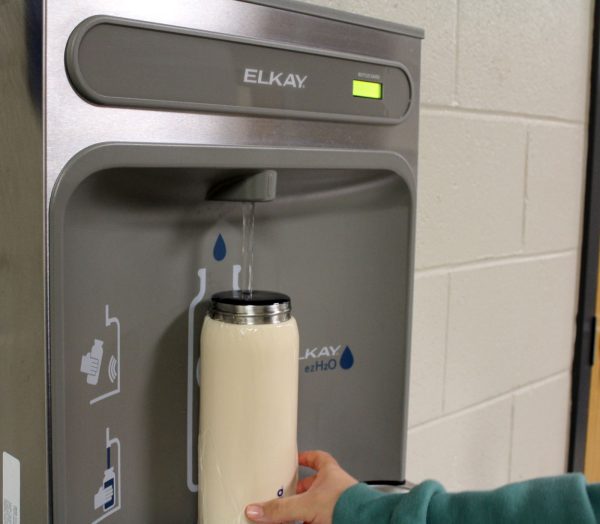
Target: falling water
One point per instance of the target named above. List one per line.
(247, 247)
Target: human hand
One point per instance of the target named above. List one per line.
(103, 496)
(91, 367)
(316, 496)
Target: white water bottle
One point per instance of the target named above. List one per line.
(248, 404)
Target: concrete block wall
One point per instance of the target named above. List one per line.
(502, 156)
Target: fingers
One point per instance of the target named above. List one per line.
(315, 459)
(305, 484)
(281, 510)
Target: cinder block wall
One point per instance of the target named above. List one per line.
(504, 110)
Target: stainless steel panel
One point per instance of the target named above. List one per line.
(334, 14)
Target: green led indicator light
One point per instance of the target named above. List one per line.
(367, 89)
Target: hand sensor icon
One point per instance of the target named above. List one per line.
(91, 362)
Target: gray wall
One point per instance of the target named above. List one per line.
(22, 355)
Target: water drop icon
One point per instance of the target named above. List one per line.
(347, 360)
(220, 249)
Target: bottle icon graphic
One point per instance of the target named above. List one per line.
(108, 496)
(108, 483)
(91, 363)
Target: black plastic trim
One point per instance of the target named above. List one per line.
(385, 482)
(584, 341)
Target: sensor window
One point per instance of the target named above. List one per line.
(363, 89)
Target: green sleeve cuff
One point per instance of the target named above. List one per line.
(350, 507)
(361, 504)
(553, 500)
(352, 502)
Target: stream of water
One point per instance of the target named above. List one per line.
(247, 247)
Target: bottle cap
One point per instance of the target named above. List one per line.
(255, 307)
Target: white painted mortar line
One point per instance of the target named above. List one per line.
(428, 108)
(512, 437)
(446, 339)
(525, 183)
(499, 261)
(491, 401)
(455, 102)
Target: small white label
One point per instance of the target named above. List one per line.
(11, 489)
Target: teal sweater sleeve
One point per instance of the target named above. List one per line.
(553, 500)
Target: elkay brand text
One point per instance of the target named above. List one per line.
(320, 352)
(274, 78)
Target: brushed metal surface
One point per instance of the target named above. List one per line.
(22, 322)
(350, 18)
(74, 124)
(45, 123)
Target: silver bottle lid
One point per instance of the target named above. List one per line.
(249, 308)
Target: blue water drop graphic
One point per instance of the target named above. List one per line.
(347, 360)
(220, 249)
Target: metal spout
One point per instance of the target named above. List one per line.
(260, 187)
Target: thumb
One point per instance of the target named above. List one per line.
(296, 507)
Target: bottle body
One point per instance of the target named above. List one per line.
(248, 416)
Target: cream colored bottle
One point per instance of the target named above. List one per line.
(248, 404)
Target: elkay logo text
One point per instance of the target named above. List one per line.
(274, 78)
(325, 351)
(327, 358)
